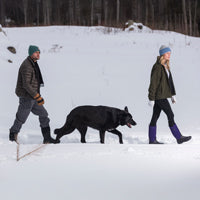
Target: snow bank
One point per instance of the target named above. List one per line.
(136, 27)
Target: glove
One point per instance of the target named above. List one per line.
(151, 103)
(173, 99)
(39, 99)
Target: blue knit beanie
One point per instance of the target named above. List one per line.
(164, 49)
(32, 49)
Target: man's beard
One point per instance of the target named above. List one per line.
(34, 59)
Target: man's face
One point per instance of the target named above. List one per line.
(36, 56)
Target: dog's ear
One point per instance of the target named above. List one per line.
(126, 108)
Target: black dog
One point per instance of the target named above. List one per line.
(101, 118)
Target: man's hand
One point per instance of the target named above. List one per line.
(39, 99)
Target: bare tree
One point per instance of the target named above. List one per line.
(146, 12)
(118, 9)
(190, 18)
(182, 16)
(133, 10)
(92, 12)
(185, 17)
(195, 32)
(71, 12)
(106, 12)
(2, 12)
(38, 12)
(77, 12)
(46, 12)
(25, 9)
(48, 4)
(152, 13)
(139, 11)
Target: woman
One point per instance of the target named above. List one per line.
(162, 87)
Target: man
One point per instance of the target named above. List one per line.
(28, 90)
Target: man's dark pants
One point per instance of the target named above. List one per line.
(27, 105)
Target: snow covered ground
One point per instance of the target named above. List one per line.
(93, 66)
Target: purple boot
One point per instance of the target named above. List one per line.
(179, 138)
(152, 135)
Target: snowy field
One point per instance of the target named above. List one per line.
(92, 66)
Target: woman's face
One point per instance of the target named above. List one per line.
(166, 56)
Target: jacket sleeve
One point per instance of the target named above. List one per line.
(154, 82)
(27, 73)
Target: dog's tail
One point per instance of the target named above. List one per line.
(57, 131)
(64, 128)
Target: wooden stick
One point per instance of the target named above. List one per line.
(17, 148)
(20, 157)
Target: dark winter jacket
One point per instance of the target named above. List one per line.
(161, 86)
(29, 79)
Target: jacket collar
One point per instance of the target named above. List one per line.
(30, 59)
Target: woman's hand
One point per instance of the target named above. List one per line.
(173, 99)
(151, 103)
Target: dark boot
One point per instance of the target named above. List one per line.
(152, 135)
(13, 137)
(183, 139)
(177, 134)
(155, 142)
(47, 137)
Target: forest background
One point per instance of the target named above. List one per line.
(181, 16)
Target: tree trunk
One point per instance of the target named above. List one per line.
(152, 14)
(48, 12)
(106, 12)
(25, 8)
(185, 17)
(195, 32)
(118, 9)
(92, 12)
(2, 22)
(176, 22)
(133, 10)
(190, 18)
(38, 12)
(100, 12)
(166, 26)
(138, 12)
(71, 12)
(77, 11)
(44, 12)
(146, 12)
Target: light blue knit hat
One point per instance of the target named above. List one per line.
(32, 49)
(164, 49)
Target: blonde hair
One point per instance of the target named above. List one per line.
(164, 62)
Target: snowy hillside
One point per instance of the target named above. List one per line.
(100, 66)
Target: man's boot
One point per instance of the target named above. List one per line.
(13, 137)
(47, 137)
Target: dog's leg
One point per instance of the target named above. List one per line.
(102, 136)
(82, 130)
(116, 132)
